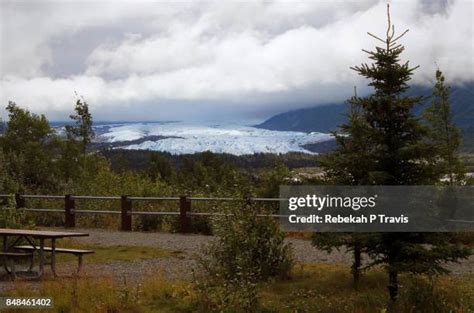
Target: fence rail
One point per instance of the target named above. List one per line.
(126, 207)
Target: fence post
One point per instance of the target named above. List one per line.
(184, 207)
(20, 201)
(248, 199)
(69, 211)
(126, 213)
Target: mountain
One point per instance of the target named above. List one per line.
(322, 119)
(325, 118)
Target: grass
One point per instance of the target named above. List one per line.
(312, 288)
(106, 254)
(117, 253)
(327, 288)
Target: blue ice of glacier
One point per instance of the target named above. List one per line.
(232, 139)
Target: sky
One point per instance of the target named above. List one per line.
(214, 60)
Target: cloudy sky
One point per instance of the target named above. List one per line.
(213, 60)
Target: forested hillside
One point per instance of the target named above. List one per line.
(326, 118)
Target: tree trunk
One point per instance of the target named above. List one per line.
(393, 285)
(356, 266)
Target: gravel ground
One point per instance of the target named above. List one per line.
(181, 267)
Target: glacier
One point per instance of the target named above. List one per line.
(183, 138)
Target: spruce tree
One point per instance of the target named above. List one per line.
(402, 155)
(348, 164)
(443, 133)
(388, 145)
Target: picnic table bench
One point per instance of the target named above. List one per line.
(12, 252)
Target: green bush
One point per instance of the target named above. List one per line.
(10, 217)
(247, 245)
(249, 249)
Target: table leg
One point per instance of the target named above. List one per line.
(53, 256)
(32, 262)
(5, 249)
(12, 267)
(41, 257)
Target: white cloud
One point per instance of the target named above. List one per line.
(212, 56)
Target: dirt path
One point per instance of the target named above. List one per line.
(190, 245)
(181, 267)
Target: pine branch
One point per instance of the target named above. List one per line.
(396, 47)
(376, 37)
(369, 52)
(403, 34)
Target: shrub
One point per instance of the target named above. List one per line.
(247, 245)
(10, 217)
(248, 249)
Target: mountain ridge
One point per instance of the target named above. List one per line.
(327, 117)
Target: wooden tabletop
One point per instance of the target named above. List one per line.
(39, 233)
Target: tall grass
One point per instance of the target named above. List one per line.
(312, 288)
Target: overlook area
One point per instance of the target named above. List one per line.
(237, 156)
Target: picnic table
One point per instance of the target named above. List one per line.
(40, 235)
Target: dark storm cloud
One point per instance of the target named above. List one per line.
(212, 59)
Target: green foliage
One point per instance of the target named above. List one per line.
(211, 174)
(7, 183)
(270, 180)
(385, 144)
(70, 161)
(73, 156)
(160, 167)
(248, 249)
(82, 130)
(355, 243)
(29, 146)
(399, 154)
(443, 133)
(247, 245)
(350, 163)
(11, 217)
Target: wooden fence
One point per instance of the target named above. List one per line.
(126, 207)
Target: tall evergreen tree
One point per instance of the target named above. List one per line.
(348, 164)
(402, 156)
(392, 150)
(351, 161)
(443, 133)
